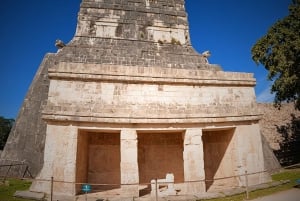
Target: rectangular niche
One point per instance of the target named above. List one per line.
(160, 153)
(98, 160)
(219, 158)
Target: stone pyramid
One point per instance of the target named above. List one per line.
(151, 33)
(130, 68)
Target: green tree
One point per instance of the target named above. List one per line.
(5, 127)
(279, 52)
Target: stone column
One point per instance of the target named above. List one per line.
(193, 157)
(129, 163)
(59, 162)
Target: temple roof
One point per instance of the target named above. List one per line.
(133, 33)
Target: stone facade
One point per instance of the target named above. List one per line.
(133, 33)
(26, 140)
(129, 100)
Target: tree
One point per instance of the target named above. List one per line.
(279, 52)
(5, 127)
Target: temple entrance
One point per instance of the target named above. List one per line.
(98, 160)
(158, 154)
(219, 158)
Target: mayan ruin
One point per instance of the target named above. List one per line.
(128, 101)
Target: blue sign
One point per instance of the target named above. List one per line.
(86, 188)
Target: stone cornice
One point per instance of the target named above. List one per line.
(140, 120)
(134, 74)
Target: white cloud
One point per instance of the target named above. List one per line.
(265, 96)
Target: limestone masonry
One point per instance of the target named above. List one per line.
(128, 100)
(281, 130)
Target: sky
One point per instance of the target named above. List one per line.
(227, 28)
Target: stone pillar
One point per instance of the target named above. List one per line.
(129, 163)
(59, 162)
(250, 154)
(193, 157)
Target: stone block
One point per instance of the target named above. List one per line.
(193, 137)
(128, 134)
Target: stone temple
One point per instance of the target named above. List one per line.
(128, 100)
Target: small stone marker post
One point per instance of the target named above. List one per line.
(51, 193)
(247, 190)
(86, 188)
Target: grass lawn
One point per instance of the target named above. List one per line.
(291, 175)
(7, 190)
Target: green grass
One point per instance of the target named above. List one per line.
(287, 174)
(12, 185)
(291, 175)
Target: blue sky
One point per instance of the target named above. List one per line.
(228, 28)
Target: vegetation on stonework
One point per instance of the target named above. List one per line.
(10, 186)
(5, 127)
(279, 52)
(291, 175)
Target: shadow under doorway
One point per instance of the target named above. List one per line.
(159, 153)
(98, 160)
(218, 148)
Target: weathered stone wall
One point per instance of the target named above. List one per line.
(148, 95)
(146, 99)
(240, 153)
(102, 168)
(281, 129)
(60, 160)
(126, 33)
(26, 140)
(135, 20)
(133, 33)
(158, 154)
(130, 62)
(220, 146)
